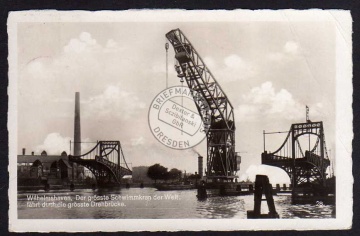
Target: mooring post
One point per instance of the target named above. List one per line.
(201, 191)
(270, 202)
(47, 186)
(251, 188)
(257, 197)
(277, 187)
(262, 186)
(72, 186)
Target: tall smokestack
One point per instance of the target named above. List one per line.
(200, 166)
(77, 128)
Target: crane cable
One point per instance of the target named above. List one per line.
(182, 95)
(166, 48)
(167, 72)
(182, 103)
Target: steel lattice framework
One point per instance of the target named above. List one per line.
(106, 161)
(302, 167)
(221, 156)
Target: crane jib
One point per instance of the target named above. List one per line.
(222, 160)
(200, 79)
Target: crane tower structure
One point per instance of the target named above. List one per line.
(222, 160)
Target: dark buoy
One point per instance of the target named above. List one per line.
(201, 191)
(127, 185)
(72, 187)
(142, 185)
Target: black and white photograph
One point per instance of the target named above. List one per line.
(184, 116)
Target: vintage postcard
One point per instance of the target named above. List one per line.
(168, 120)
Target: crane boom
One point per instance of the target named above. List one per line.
(221, 156)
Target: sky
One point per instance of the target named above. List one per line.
(269, 71)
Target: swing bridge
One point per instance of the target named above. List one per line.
(305, 168)
(106, 161)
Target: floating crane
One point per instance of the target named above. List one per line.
(222, 160)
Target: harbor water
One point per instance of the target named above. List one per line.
(149, 203)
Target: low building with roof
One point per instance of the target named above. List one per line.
(43, 168)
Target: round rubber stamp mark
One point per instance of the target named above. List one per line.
(174, 119)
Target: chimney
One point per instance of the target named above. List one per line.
(77, 127)
(200, 166)
(23, 151)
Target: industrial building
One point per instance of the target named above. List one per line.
(34, 169)
(52, 169)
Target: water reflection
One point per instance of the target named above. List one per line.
(186, 206)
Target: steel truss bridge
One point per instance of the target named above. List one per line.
(304, 168)
(106, 161)
(221, 156)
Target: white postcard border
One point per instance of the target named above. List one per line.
(344, 133)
